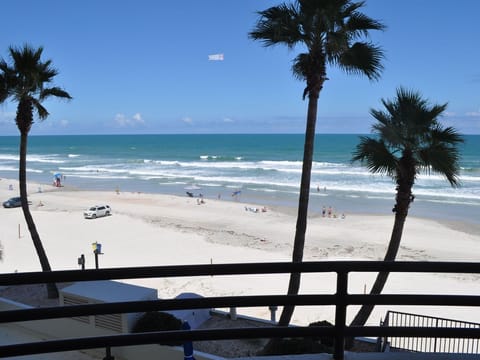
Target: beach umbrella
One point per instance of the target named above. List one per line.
(187, 345)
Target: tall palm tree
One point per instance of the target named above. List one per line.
(25, 82)
(329, 30)
(408, 140)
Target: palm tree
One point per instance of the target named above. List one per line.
(25, 82)
(328, 29)
(409, 140)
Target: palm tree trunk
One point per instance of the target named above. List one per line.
(301, 227)
(52, 290)
(401, 212)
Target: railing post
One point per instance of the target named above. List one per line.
(386, 323)
(108, 354)
(340, 314)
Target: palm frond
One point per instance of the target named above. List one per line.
(3, 86)
(362, 58)
(359, 24)
(376, 156)
(305, 66)
(442, 160)
(447, 135)
(278, 25)
(54, 91)
(40, 109)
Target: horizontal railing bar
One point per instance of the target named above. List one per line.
(51, 346)
(237, 269)
(163, 305)
(414, 299)
(407, 331)
(231, 301)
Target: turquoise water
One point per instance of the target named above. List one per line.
(265, 168)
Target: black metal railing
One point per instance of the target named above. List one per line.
(340, 299)
(429, 344)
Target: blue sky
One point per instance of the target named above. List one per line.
(142, 67)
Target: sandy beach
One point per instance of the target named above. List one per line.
(153, 229)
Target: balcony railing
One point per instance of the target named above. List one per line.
(340, 299)
(429, 344)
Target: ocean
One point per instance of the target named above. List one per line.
(261, 169)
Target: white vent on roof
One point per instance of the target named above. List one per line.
(110, 321)
(95, 292)
(73, 300)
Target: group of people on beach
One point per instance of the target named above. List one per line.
(255, 209)
(329, 212)
(200, 200)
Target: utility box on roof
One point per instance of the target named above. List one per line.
(106, 291)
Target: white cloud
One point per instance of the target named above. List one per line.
(63, 123)
(473, 113)
(138, 118)
(228, 120)
(188, 120)
(122, 120)
(449, 113)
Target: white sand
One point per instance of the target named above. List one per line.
(154, 230)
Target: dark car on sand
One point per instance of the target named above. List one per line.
(12, 202)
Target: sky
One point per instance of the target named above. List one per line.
(142, 67)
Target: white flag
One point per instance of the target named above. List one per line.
(215, 57)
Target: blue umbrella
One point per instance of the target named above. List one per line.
(187, 345)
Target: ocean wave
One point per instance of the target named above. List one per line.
(44, 159)
(452, 202)
(220, 158)
(268, 166)
(8, 168)
(93, 169)
(466, 178)
(99, 177)
(9, 157)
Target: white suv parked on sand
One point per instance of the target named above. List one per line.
(97, 211)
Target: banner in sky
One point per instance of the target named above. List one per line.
(215, 57)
